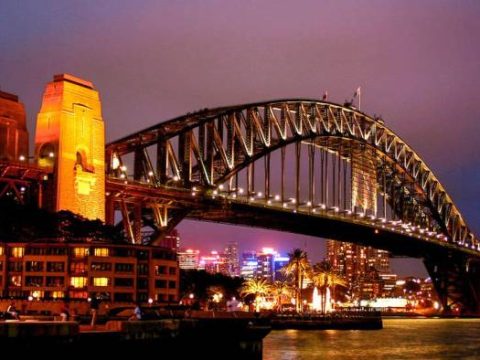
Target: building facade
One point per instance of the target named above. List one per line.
(367, 270)
(231, 258)
(53, 270)
(189, 259)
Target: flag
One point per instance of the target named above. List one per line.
(325, 95)
(357, 92)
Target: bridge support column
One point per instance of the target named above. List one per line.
(70, 140)
(456, 278)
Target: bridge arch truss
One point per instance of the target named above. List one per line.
(361, 161)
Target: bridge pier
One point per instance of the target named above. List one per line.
(456, 278)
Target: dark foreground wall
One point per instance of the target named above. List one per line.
(160, 339)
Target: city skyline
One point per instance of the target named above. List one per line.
(419, 72)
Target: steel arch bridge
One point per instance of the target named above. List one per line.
(302, 166)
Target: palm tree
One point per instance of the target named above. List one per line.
(323, 277)
(298, 266)
(280, 291)
(255, 287)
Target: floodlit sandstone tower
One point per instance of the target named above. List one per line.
(13, 130)
(70, 139)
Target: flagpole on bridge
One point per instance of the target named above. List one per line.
(359, 94)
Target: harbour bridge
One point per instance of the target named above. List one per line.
(298, 165)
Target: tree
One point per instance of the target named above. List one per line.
(297, 267)
(29, 223)
(323, 277)
(255, 287)
(281, 290)
(200, 282)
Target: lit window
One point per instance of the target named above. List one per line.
(16, 280)
(1, 251)
(80, 251)
(78, 281)
(18, 252)
(57, 294)
(37, 294)
(100, 281)
(100, 251)
(78, 295)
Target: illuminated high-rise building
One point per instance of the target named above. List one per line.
(265, 264)
(231, 258)
(366, 269)
(248, 268)
(188, 259)
(214, 263)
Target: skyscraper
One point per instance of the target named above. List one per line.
(231, 258)
(249, 264)
(188, 259)
(364, 268)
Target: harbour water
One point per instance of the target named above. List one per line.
(399, 339)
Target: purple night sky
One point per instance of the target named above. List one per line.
(418, 64)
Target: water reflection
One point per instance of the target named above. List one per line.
(400, 339)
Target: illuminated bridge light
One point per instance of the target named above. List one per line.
(252, 198)
(285, 205)
(269, 202)
(115, 162)
(21, 158)
(234, 196)
(123, 168)
(309, 203)
(259, 194)
(150, 173)
(293, 201)
(277, 197)
(322, 206)
(215, 192)
(240, 190)
(122, 176)
(220, 187)
(176, 178)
